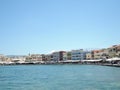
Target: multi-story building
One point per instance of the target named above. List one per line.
(88, 56)
(78, 54)
(100, 54)
(114, 51)
(55, 56)
(2, 57)
(118, 51)
(63, 55)
(69, 55)
(96, 54)
(104, 53)
(59, 56)
(33, 57)
(43, 57)
(48, 57)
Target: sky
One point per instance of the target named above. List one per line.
(42, 26)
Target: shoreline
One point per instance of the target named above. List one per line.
(58, 63)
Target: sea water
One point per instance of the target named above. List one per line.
(59, 77)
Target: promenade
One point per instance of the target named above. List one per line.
(115, 63)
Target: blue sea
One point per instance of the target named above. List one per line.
(59, 77)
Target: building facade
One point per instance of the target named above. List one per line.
(88, 56)
(56, 56)
(63, 55)
(59, 56)
(2, 57)
(33, 58)
(96, 54)
(78, 54)
(114, 51)
(69, 55)
(48, 57)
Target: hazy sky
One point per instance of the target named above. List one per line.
(40, 26)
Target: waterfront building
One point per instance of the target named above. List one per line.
(69, 55)
(113, 51)
(59, 56)
(43, 57)
(55, 56)
(88, 56)
(33, 58)
(3, 58)
(100, 54)
(48, 57)
(104, 53)
(78, 54)
(118, 51)
(96, 54)
(63, 55)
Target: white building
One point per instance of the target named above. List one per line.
(78, 54)
(56, 56)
